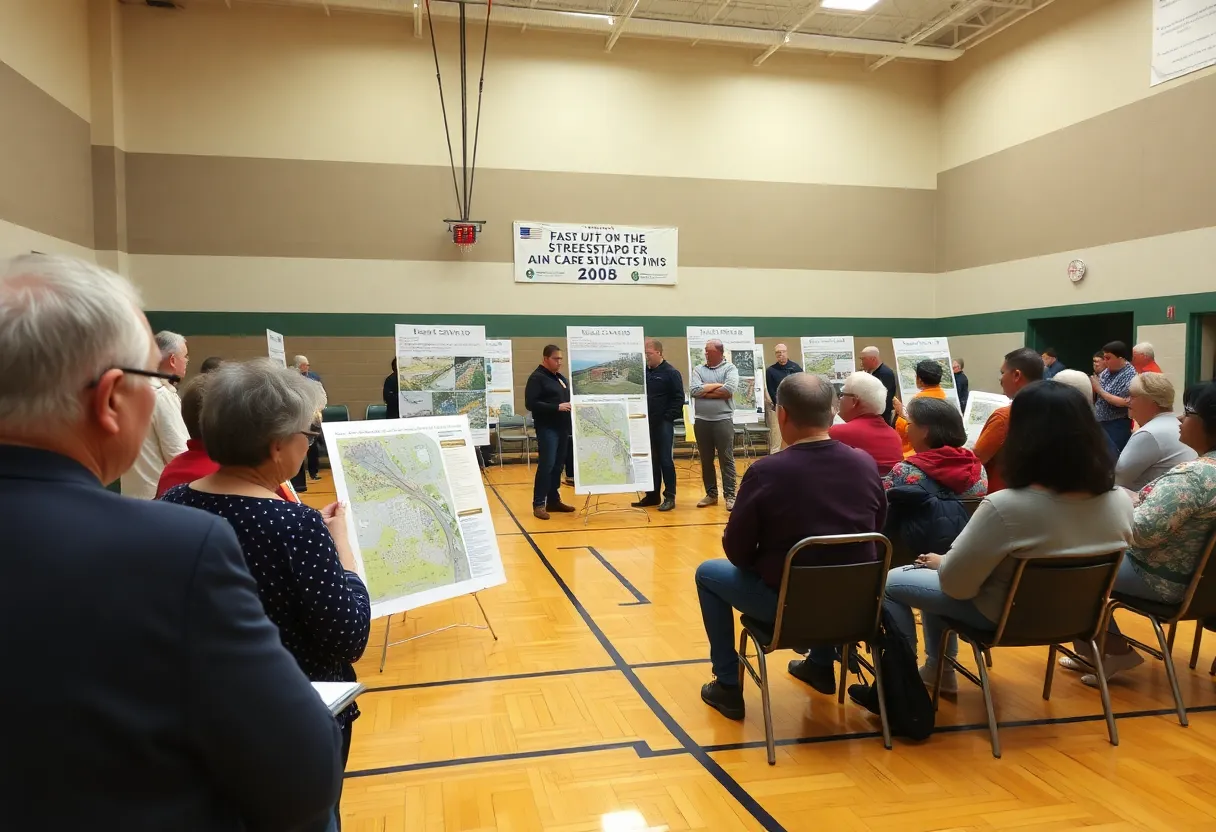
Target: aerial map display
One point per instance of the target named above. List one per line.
(601, 444)
(911, 351)
(441, 371)
(829, 356)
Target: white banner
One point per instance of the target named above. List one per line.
(500, 381)
(417, 514)
(829, 356)
(441, 371)
(274, 347)
(1184, 38)
(608, 399)
(911, 351)
(979, 407)
(740, 345)
(591, 255)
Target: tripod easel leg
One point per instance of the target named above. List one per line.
(388, 625)
(484, 617)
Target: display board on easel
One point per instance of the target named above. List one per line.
(830, 357)
(500, 381)
(441, 371)
(739, 343)
(275, 348)
(911, 351)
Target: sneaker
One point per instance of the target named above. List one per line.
(707, 501)
(1069, 663)
(1114, 665)
(822, 677)
(727, 701)
(949, 679)
(645, 502)
(667, 505)
(730, 503)
(539, 513)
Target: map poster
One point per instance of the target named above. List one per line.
(275, 348)
(418, 517)
(979, 407)
(911, 351)
(500, 381)
(829, 356)
(740, 345)
(608, 399)
(441, 371)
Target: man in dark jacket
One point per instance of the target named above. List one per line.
(961, 385)
(664, 407)
(871, 362)
(392, 398)
(547, 398)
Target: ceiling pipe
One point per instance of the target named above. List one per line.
(960, 11)
(619, 25)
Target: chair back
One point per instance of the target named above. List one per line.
(510, 423)
(971, 504)
(335, 413)
(376, 411)
(836, 604)
(1053, 599)
(1199, 602)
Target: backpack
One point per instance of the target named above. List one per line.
(909, 707)
(927, 517)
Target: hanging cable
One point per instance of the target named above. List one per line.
(481, 83)
(464, 113)
(447, 133)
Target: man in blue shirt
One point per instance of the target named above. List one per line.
(664, 407)
(1052, 365)
(1112, 390)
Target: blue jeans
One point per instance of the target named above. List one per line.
(722, 588)
(1130, 582)
(550, 459)
(911, 588)
(1118, 432)
(662, 441)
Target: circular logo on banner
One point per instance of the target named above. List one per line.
(531, 274)
(636, 277)
(1076, 271)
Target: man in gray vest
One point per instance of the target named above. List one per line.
(712, 387)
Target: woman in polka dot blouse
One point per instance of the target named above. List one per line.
(256, 420)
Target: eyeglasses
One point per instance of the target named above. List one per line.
(172, 378)
(848, 395)
(311, 434)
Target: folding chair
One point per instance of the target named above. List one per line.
(513, 429)
(1051, 601)
(821, 606)
(376, 411)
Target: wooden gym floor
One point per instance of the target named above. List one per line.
(588, 704)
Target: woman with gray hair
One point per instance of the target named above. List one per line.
(256, 423)
(1156, 447)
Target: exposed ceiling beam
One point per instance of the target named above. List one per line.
(618, 25)
(810, 12)
(962, 10)
(717, 13)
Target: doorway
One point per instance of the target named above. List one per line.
(1077, 338)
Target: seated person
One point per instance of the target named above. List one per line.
(1174, 517)
(862, 402)
(815, 486)
(924, 513)
(929, 383)
(1155, 448)
(257, 418)
(1060, 500)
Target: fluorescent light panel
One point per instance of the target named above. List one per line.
(849, 5)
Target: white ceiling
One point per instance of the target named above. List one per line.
(905, 29)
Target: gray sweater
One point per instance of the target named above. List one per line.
(1028, 522)
(713, 410)
(1152, 451)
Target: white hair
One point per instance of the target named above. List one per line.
(873, 353)
(870, 392)
(300, 359)
(170, 344)
(63, 323)
(1145, 349)
(1078, 381)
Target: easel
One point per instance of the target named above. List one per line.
(589, 508)
(389, 625)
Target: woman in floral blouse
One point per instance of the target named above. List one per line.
(1175, 516)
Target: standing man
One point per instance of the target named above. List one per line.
(1052, 365)
(1144, 359)
(664, 407)
(1020, 368)
(167, 435)
(713, 385)
(547, 398)
(1113, 390)
(961, 384)
(871, 362)
(313, 460)
(773, 376)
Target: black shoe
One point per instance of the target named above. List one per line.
(667, 505)
(866, 696)
(646, 502)
(822, 677)
(726, 701)
(315, 477)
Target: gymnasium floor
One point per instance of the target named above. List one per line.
(588, 704)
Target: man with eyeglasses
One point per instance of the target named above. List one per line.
(167, 435)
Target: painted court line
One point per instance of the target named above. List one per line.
(638, 597)
(442, 683)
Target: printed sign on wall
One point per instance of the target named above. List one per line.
(595, 255)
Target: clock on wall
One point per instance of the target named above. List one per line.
(1076, 270)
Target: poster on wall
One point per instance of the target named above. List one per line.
(595, 255)
(275, 348)
(911, 351)
(739, 344)
(761, 392)
(1184, 38)
(608, 403)
(418, 516)
(441, 371)
(829, 356)
(500, 381)
(979, 407)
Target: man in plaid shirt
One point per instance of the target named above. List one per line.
(1111, 391)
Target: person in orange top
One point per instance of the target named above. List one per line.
(929, 383)
(1144, 359)
(1020, 368)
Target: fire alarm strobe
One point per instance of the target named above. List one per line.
(1076, 271)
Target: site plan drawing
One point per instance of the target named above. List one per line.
(911, 351)
(441, 371)
(829, 356)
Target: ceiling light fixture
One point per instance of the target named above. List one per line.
(849, 5)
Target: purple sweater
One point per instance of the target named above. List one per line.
(815, 488)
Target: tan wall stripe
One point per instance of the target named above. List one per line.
(45, 164)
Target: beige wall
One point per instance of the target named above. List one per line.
(47, 41)
(983, 355)
(1169, 343)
